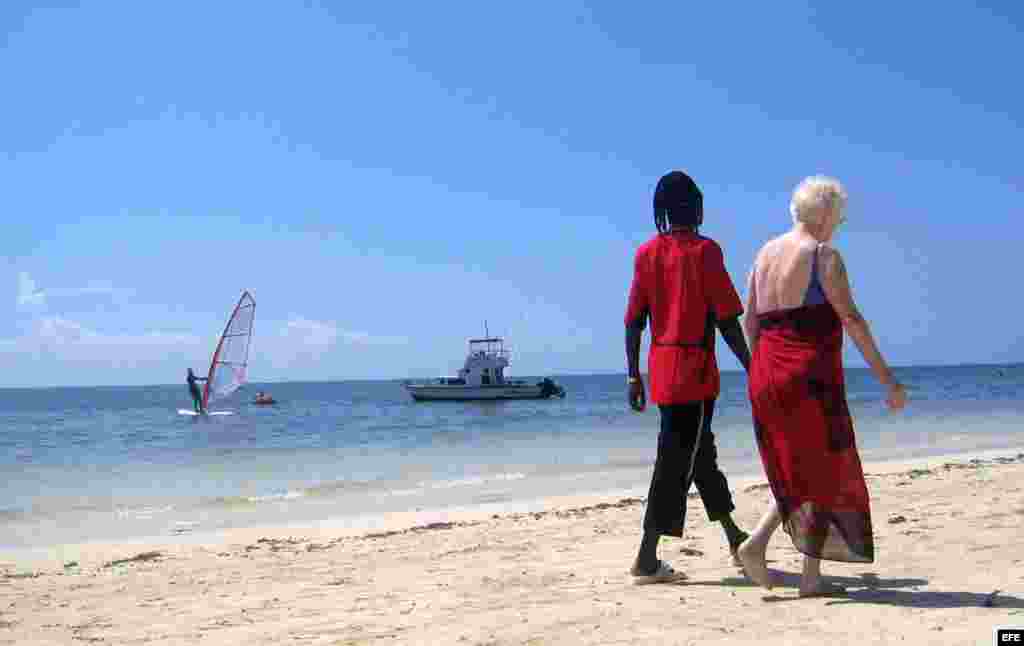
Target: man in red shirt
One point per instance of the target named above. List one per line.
(681, 284)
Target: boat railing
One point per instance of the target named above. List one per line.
(435, 381)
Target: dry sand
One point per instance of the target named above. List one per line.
(950, 567)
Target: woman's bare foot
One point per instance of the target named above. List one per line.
(752, 558)
(811, 583)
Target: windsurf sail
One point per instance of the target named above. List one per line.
(230, 359)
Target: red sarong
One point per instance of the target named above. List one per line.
(805, 434)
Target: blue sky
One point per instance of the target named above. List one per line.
(385, 178)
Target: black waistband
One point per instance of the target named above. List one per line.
(707, 342)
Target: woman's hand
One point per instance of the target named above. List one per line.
(896, 398)
(637, 396)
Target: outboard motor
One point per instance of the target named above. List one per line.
(549, 388)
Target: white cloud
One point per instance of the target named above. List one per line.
(54, 329)
(47, 337)
(97, 288)
(311, 334)
(306, 348)
(322, 335)
(71, 341)
(28, 294)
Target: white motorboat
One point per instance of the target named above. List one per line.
(482, 377)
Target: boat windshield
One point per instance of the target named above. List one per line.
(493, 346)
(451, 381)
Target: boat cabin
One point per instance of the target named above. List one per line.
(482, 377)
(485, 363)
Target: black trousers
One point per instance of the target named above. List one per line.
(686, 455)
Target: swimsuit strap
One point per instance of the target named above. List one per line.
(815, 294)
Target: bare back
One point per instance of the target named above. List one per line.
(782, 273)
(780, 280)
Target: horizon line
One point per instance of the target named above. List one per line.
(596, 373)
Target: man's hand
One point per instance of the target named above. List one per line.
(732, 331)
(637, 396)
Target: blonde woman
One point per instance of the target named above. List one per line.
(799, 303)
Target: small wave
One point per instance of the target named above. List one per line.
(406, 492)
(396, 488)
(337, 486)
(9, 515)
(287, 495)
(245, 501)
(492, 498)
(471, 481)
(420, 488)
(424, 486)
(143, 513)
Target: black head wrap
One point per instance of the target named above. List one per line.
(677, 201)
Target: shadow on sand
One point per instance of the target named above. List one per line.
(870, 588)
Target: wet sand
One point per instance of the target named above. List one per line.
(949, 567)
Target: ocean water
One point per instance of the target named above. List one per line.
(82, 464)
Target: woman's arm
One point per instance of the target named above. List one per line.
(836, 285)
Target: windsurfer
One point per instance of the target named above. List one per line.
(193, 389)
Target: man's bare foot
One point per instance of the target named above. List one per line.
(636, 570)
(733, 546)
(644, 568)
(752, 558)
(822, 589)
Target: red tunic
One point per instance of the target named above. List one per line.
(680, 281)
(805, 433)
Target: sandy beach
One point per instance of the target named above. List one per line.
(950, 567)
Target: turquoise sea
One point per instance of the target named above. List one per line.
(82, 464)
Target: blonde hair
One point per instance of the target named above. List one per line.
(815, 197)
